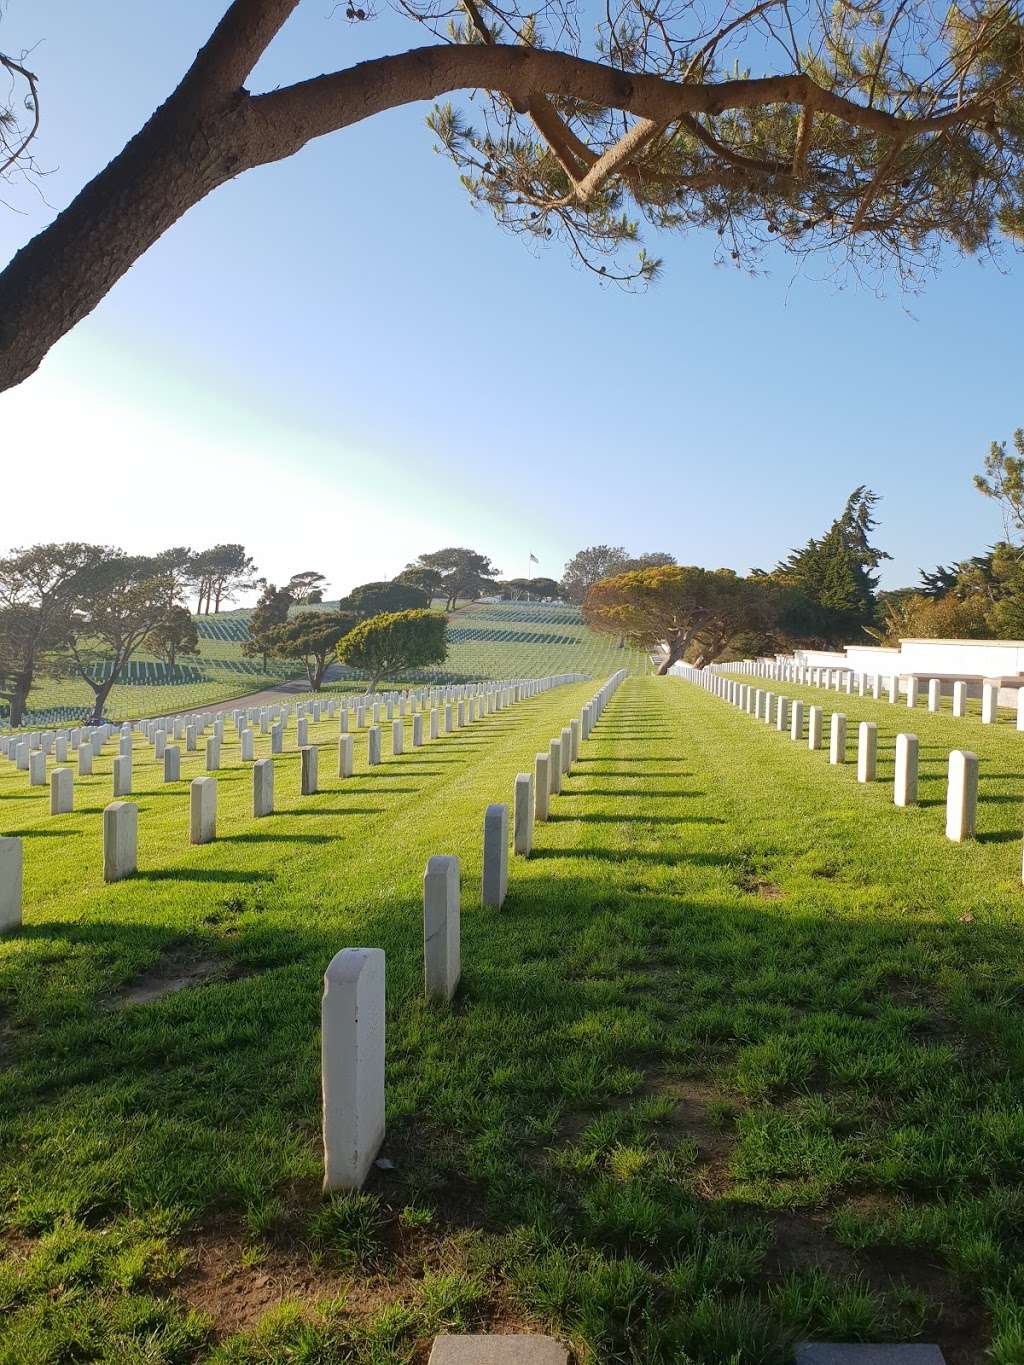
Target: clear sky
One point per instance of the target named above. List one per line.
(339, 362)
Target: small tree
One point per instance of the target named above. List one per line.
(220, 574)
(371, 599)
(271, 610)
(589, 566)
(38, 588)
(464, 573)
(306, 587)
(175, 633)
(119, 603)
(312, 637)
(395, 642)
(427, 580)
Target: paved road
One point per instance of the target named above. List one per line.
(284, 691)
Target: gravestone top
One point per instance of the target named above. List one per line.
(497, 1350)
(856, 1353)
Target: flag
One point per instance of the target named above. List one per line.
(533, 558)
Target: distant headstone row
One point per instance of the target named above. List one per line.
(352, 1009)
(892, 685)
(448, 708)
(788, 716)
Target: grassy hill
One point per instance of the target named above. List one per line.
(738, 1063)
(504, 640)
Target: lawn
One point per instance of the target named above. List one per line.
(739, 1062)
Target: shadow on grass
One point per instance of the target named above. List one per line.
(211, 874)
(624, 817)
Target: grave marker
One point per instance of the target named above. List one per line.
(352, 1065)
(441, 926)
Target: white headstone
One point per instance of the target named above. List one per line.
(441, 926)
(202, 827)
(814, 721)
(397, 737)
(555, 766)
(373, 745)
(344, 755)
(352, 1065)
(246, 738)
(867, 751)
(522, 825)
(120, 840)
(905, 779)
(960, 699)
(837, 738)
(541, 786)
(123, 775)
(308, 775)
(212, 754)
(495, 854)
(262, 787)
(62, 791)
(172, 763)
(11, 875)
(961, 795)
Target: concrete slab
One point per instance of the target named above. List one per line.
(857, 1353)
(499, 1350)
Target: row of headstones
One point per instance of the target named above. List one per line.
(273, 719)
(788, 716)
(29, 751)
(871, 684)
(121, 818)
(352, 1009)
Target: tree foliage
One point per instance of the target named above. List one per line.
(118, 603)
(1003, 481)
(220, 574)
(834, 577)
(39, 586)
(271, 610)
(463, 573)
(589, 566)
(876, 133)
(393, 643)
(371, 599)
(173, 635)
(311, 636)
(678, 606)
(306, 588)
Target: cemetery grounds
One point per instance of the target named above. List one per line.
(738, 1063)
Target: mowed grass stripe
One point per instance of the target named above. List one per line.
(739, 1062)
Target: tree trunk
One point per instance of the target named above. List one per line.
(19, 697)
(101, 691)
(677, 647)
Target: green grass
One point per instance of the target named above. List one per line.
(484, 645)
(738, 1063)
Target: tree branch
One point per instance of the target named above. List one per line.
(234, 47)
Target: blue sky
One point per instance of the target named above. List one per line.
(341, 363)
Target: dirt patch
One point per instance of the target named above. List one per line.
(957, 1323)
(753, 885)
(236, 1295)
(701, 1114)
(178, 969)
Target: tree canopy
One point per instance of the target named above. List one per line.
(462, 573)
(675, 605)
(370, 599)
(311, 636)
(834, 577)
(391, 644)
(875, 132)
